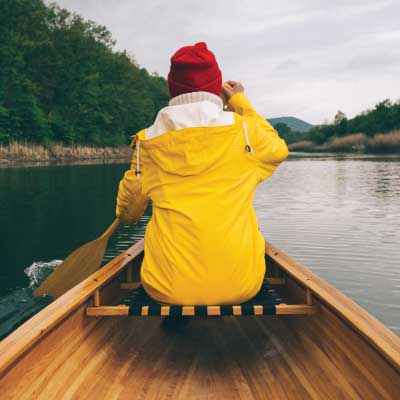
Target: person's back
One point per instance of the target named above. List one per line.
(199, 165)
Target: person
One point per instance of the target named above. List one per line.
(199, 165)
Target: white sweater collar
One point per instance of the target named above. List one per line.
(195, 97)
(190, 110)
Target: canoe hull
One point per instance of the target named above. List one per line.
(295, 357)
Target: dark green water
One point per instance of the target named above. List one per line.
(46, 213)
(340, 216)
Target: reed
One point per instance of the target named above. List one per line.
(357, 142)
(302, 145)
(24, 151)
(62, 152)
(353, 143)
(388, 142)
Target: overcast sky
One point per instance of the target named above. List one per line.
(302, 58)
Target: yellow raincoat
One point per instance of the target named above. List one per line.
(202, 244)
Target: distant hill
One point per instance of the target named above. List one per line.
(295, 124)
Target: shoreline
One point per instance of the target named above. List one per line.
(56, 163)
(25, 154)
(325, 150)
(20, 155)
(356, 143)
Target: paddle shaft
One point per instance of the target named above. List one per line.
(77, 266)
(111, 229)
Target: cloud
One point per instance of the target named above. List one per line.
(286, 64)
(379, 61)
(305, 58)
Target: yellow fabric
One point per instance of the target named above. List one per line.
(131, 202)
(202, 244)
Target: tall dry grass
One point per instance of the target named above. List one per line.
(302, 145)
(385, 142)
(357, 142)
(23, 151)
(354, 142)
(59, 151)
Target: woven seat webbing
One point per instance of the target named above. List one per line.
(140, 304)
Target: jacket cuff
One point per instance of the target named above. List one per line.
(240, 103)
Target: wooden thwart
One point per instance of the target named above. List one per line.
(137, 303)
(308, 297)
(129, 273)
(96, 298)
(281, 309)
(276, 281)
(129, 285)
(107, 310)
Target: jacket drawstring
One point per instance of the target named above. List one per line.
(137, 172)
(247, 147)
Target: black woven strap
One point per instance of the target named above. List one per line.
(264, 303)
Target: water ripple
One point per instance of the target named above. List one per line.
(340, 217)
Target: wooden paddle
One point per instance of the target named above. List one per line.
(77, 266)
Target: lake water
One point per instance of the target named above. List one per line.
(338, 215)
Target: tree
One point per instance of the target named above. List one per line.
(283, 129)
(61, 80)
(384, 117)
(340, 123)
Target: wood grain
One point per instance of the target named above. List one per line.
(318, 356)
(217, 358)
(29, 333)
(281, 309)
(382, 338)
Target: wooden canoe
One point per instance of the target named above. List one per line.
(339, 351)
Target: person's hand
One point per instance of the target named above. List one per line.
(229, 88)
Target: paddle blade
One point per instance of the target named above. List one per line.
(74, 269)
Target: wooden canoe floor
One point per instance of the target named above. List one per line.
(216, 358)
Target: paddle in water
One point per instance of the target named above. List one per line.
(77, 266)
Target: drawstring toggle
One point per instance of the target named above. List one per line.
(137, 172)
(247, 147)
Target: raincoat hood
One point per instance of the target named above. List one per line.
(188, 151)
(189, 135)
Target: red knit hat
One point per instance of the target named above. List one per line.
(194, 69)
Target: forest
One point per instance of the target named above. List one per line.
(62, 81)
(377, 129)
(383, 118)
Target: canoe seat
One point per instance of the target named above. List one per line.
(137, 303)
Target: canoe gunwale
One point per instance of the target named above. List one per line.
(32, 331)
(386, 342)
(29, 333)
